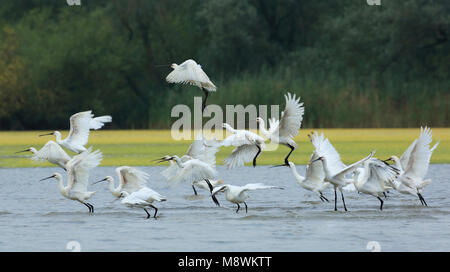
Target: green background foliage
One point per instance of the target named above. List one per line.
(354, 65)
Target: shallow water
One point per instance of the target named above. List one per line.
(34, 216)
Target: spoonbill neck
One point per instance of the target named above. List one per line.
(58, 137)
(63, 189)
(300, 179)
(115, 191)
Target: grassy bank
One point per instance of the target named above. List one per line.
(140, 147)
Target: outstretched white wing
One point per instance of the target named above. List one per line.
(189, 72)
(131, 178)
(324, 148)
(51, 152)
(314, 169)
(99, 122)
(78, 169)
(80, 123)
(241, 155)
(350, 168)
(291, 118)
(419, 158)
(194, 170)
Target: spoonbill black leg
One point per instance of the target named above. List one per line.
(343, 200)
(204, 100)
(195, 191)
(156, 211)
(238, 207)
(148, 215)
(245, 207)
(381, 201)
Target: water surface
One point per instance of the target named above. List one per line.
(34, 216)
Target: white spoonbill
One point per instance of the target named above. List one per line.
(141, 199)
(373, 177)
(190, 171)
(314, 179)
(77, 177)
(402, 163)
(284, 130)
(335, 170)
(248, 146)
(189, 72)
(130, 180)
(201, 149)
(238, 194)
(50, 152)
(414, 163)
(80, 125)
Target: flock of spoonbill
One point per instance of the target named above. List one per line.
(197, 167)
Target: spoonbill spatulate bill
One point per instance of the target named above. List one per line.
(80, 125)
(189, 72)
(77, 177)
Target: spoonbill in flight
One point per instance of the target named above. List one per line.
(50, 152)
(203, 150)
(372, 178)
(77, 177)
(141, 199)
(130, 180)
(189, 72)
(334, 169)
(314, 179)
(414, 165)
(248, 146)
(80, 125)
(284, 130)
(238, 194)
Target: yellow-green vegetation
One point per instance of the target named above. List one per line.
(140, 147)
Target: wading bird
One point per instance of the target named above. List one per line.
(284, 130)
(50, 152)
(334, 169)
(372, 178)
(190, 171)
(130, 180)
(314, 179)
(80, 125)
(414, 165)
(77, 177)
(248, 146)
(203, 150)
(238, 194)
(141, 199)
(189, 72)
